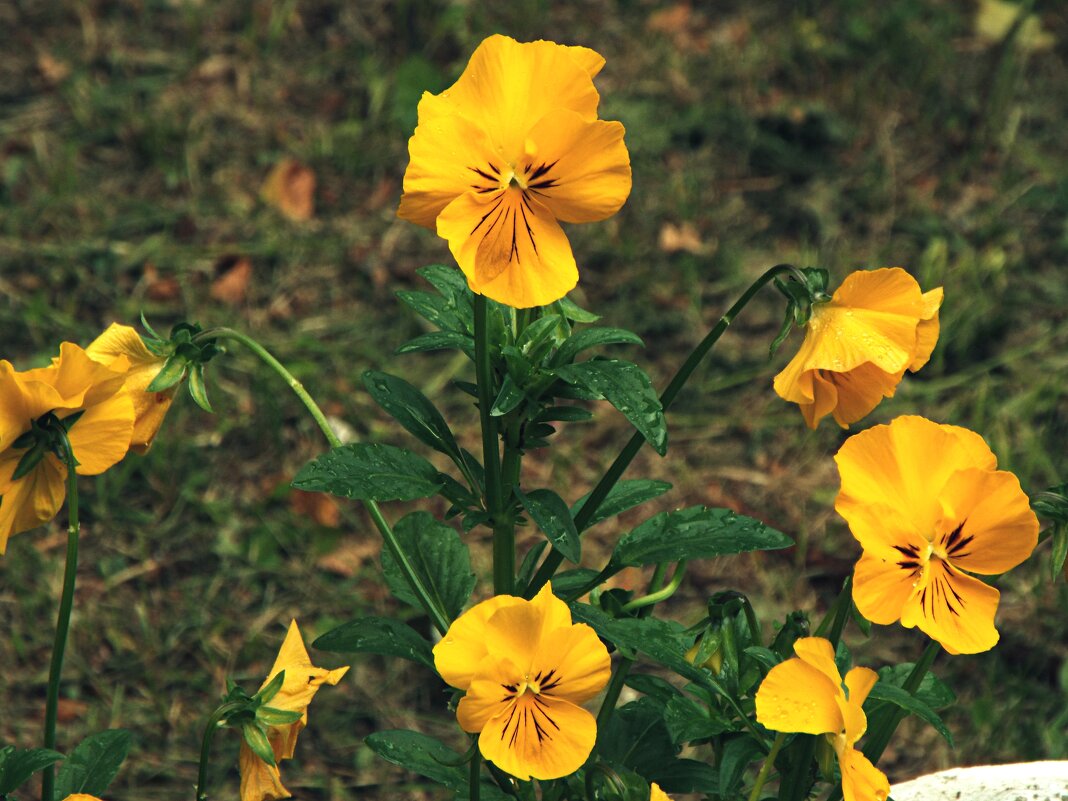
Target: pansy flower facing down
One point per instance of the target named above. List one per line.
(525, 668)
(122, 346)
(510, 149)
(927, 502)
(858, 345)
(260, 781)
(88, 400)
(806, 694)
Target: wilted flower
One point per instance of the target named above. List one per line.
(503, 154)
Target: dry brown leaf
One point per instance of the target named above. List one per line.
(158, 287)
(688, 30)
(51, 68)
(67, 709)
(321, 508)
(350, 558)
(290, 188)
(684, 237)
(233, 274)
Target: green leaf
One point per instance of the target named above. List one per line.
(623, 496)
(271, 689)
(411, 408)
(576, 314)
(198, 390)
(567, 582)
(433, 308)
(663, 641)
(910, 703)
(440, 559)
(171, 373)
(430, 758)
(737, 753)
(592, 338)
(695, 533)
(687, 721)
(932, 690)
(510, 396)
(439, 340)
(377, 635)
(1059, 551)
(628, 388)
(17, 765)
(550, 513)
(530, 562)
(370, 472)
(653, 686)
(564, 414)
(92, 766)
(256, 737)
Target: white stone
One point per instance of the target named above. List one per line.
(1026, 781)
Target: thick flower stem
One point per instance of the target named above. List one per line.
(765, 769)
(503, 530)
(205, 748)
(611, 695)
(66, 604)
(630, 450)
(437, 615)
(474, 782)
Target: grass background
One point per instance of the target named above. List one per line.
(135, 137)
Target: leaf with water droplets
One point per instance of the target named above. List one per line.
(440, 559)
(428, 757)
(623, 496)
(695, 533)
(370, 472)
(377, 635)
(628, 388)
(550, 513)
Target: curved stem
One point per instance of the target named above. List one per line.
(503, 532)
(630, 450)
(765, 769)
(661, 594)
(205, 749)
(437, 615)
(66, 604)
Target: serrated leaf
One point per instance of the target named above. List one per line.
(592, 338)
(377, 635)
(411, 408)
(440, 559)
(370, 472)
(92, 766)
(439, 340)
(628, 388)
(695, 533)
(910, 703)
(623, 496)
(17, 765)
(550, 513)
(428, 757)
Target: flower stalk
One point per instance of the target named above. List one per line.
(765, 769)
(219, 715)
(66, 604)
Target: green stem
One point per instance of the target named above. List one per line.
(474, 780)
(662, 594)
(611, 695)
(205, 748)
(765, 769)
(615, 471)
(503, 531)
(835, 619)
(433, 609)
(66, 604)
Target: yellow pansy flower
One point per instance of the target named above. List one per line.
(510, 149)
(74, 385)
(926, 501)
(123, 342)
(525, 667)
(858, 345)
(806, 694)
(656, 794)
(81, 797)
(260, 781)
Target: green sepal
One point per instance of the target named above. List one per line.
(198, 390)
(29, 461)
(172, 372)
(784, 331)
(255, 735)
(1059, 550)
(271, 689)
(149, 328)
(269, 716)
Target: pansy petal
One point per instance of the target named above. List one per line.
(101, 436)
(817, 652)
(581, 169)
(494, 688)
(928, 329)
(860, 390)
(539, 737)
(656, 794)
(449, 156)
(997, 529)
(859, 682)
(589, 60)
(519, 631)
(33, 499)
(572, 663)
(881, 588)
(954, 609)
(508, 86)
(882, 530)
(905, 464)
(463, 647)
(510, 247)
(796, 697)
(861, 780)
(13, 420)
(82, 380)
(259, 781)
(303, 679)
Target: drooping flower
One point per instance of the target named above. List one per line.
(510, 149)
(858, 345)
(88, 400)
(525, 668)
(260, 781)
(122, 341)
(927, 502)
(806, 694)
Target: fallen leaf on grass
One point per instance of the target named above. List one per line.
(684, 237)
(159, 287)
(232, 279)
(321, 508)
(350, 558)
(290, 188)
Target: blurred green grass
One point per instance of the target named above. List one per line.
(135, 136)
